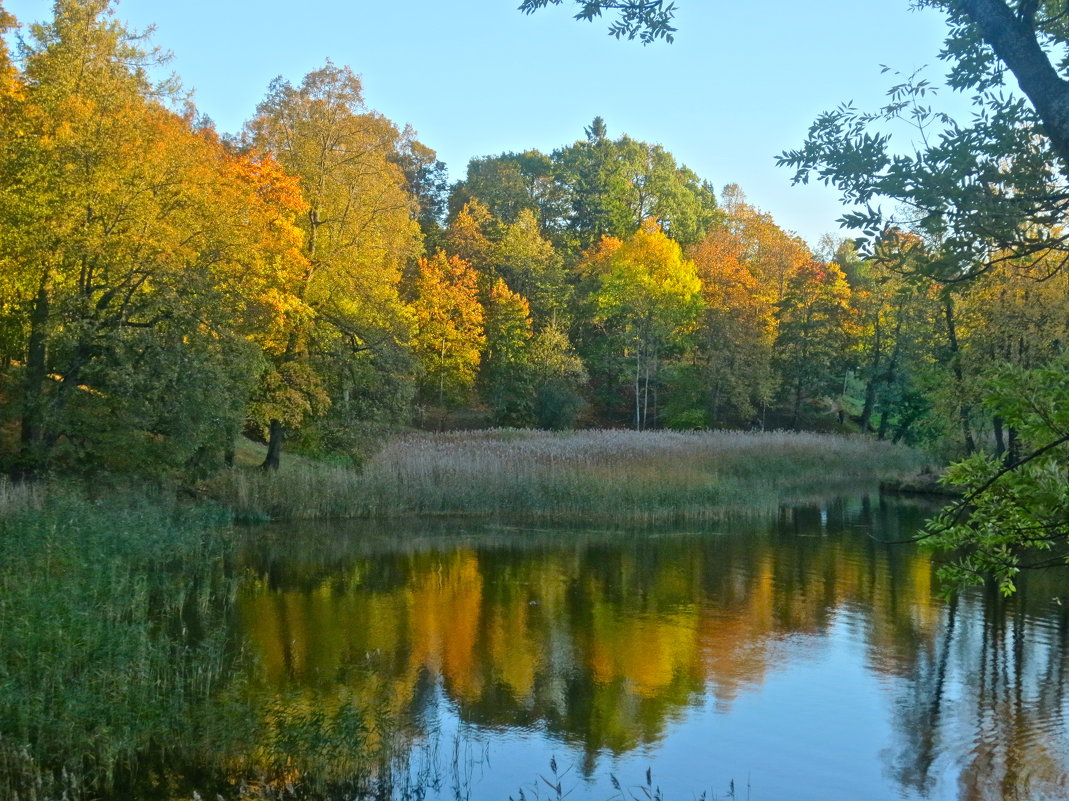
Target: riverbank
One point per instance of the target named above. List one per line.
(117, 602)
(601, 476)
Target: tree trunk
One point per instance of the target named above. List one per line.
(638, 387)
(651, 359)
(1013, 447)
(904, 423)
(441, 375)
(1000, 442)
(797, 412)
(714, 405)
(964, 409)
(885, 422)
(274, 447)
(870, 403)
(32, 434)
(888, 380)
(230, 435)
(1013, 38)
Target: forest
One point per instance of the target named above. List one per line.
(315, 280)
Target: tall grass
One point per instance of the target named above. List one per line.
(19, 497)
(112, 636)
(120, 678)
(594, 476)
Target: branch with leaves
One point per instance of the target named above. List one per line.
(1013, 516)
(645, 20)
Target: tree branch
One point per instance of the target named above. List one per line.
(1013, 39)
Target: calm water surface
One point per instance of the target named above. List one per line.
(798, 658)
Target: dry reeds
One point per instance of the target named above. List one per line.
(591, 476)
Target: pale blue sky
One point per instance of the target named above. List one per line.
(742, 82)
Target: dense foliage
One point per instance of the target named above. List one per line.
(985, 199)
(315, 279)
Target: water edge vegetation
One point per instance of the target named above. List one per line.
(115, 621)
(600, 476)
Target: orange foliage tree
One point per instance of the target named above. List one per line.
(358, 233)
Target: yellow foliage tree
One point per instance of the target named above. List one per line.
(138, 253)
(359, 232)
(647, 297)
(449, 335)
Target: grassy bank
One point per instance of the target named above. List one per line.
(590, 476)
(120, 677)
(113, 638)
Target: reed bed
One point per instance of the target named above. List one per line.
(113, 638)
(601, 476)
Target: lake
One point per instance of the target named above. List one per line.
(805, 656)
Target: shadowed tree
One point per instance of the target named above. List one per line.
(138, 251)
(816, 337)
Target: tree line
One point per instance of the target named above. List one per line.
(315, 278)
(969, 200)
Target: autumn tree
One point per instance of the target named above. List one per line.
(449, 327)
(1011, 320)
(534, 268)
(745, 262)
(771, 254)
(12, 93)
(737, 331)
(647, 299)
(139, 251)
(472, 236)
(505, 374)
(359, 231)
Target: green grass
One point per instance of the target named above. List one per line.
(119, 678)
(589, 476)
(112, 636)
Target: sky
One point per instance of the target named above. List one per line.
(742, 82)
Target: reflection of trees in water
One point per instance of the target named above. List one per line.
(991, 695)
(604, 640)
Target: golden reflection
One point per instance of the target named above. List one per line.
(606, 644)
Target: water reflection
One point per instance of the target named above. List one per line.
(988, 703)
(620, 644)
